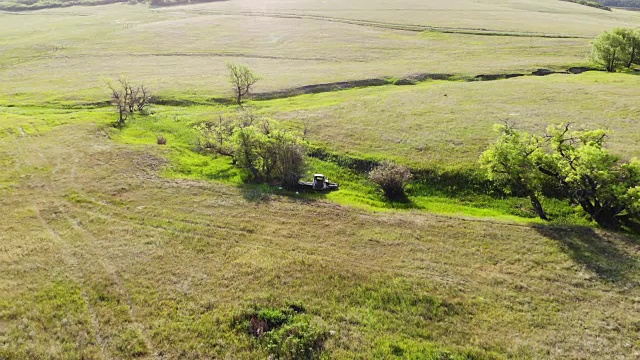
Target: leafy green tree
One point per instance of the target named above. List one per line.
(270, 154)
(512, 163)
(603, 185)
(242, 80)
(631, 38)
(267, 154)
(246, 142)
(608, 50)
(616, 49)
(215, 136)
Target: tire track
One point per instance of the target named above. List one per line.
(77, 266)
(392, 26)
(71, 261)
(113, 276)
(270, 241)
(189, 54)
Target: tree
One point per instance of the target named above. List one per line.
(270, 154)
(392, 179)
(216, 136)
(127, 98)
(576, 161)
(616, 49)
(608, 51)
(266, 153)
(290, 163)
(511, 163)
(242, 79)
(631, 38)
(604, 186)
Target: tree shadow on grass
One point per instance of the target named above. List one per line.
(612, 257)
(264, 193)
(256, 193)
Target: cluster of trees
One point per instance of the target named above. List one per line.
(127, 99)
(590, 3)
(266, 153)
(21, 5)
(573, 161)
(621, 3)
(276, 156)
(617, 49)
(607, 4)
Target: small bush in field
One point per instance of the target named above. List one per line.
(297, 339)
(392, 179)
(286, 332)
(162, 140)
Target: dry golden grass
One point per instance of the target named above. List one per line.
(448, 123)
(102, 258)
(63, 54)
(545, 16)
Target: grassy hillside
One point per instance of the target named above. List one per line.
(146, 44)
(450, 122)
(104, 258)
(114, 247)
(287, 52)
(30, 5)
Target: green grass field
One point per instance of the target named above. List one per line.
(113, 247)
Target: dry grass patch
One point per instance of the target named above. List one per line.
(450, 123)
(156, 267)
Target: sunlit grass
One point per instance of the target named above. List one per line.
(356, 190)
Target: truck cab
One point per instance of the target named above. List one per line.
(319, 182)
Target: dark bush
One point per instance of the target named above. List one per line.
(392, 179)
(270, 155)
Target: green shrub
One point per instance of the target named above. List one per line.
(272, 317)
(298, 339)
(285, 333)
(266, 154)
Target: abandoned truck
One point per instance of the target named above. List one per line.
(319, 183)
